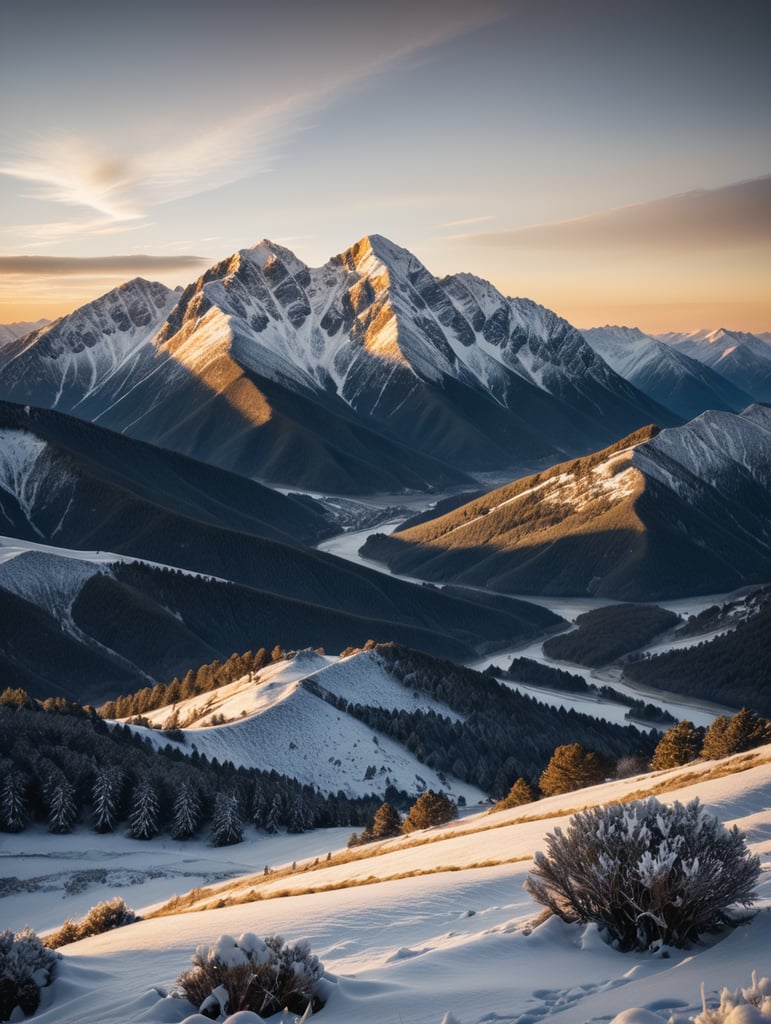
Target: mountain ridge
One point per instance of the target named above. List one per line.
(661, 514)
(366, 374)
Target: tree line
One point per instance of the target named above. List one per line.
(196, 681)
(63, 765)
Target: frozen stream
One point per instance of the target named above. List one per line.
(346, 545)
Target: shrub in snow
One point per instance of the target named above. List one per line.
(646, 873)
(751, 1004)
(103, 917)
(249, 973)
(26, 966)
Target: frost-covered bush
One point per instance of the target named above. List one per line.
(26, 966)
(757, 996)
(250, 973)
(647, 873)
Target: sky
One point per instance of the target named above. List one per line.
(610, 159)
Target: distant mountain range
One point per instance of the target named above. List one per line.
(660, 514)
(17, 329)
(367, 374)
(664, 372)
(743, 359)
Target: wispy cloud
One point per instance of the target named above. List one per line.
(467, 221)
(55, 266)
(734, 215)
(87, 173)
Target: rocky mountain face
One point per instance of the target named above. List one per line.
(665, 373)
(743, 359)
(366, 374)
(682, 511)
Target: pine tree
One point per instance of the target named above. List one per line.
(571, 767)
(274, 816)
(62, 809)
(227, 826)
(105, 795)
(679, 745)
(258, 805)
(387, 822)
(746, 730)
(520, 793)
(143, 820)
(715, 744)
(187, 812)
(297, 822)
(429, 809)
(13, 802)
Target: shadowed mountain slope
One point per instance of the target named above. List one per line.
(659, 514)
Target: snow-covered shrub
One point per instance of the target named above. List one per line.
(647, 873)
(250, 973)
(26, 966)
(757, 996)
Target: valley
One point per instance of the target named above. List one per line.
(288, 528)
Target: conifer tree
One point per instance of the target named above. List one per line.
(105, 795)
(227, 826)
(387, 822)
(746, 730)
(13, 801)
(143, 820)
(297, 821)
(715, 744)
(274, 816)
(62, 809)
(258, 805)
(187, 812)
(429, 809)
(571, 767)
(520, 793)
(679, 745)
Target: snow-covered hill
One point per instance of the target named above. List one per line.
(366, 374)
(742, 358)
(282, 722)
(664, 373)
(432, 927)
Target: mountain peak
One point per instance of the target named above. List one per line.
(374, 252)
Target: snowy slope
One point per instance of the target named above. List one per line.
(664, 373)
(441, 931)
(281, 723)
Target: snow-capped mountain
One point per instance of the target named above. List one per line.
(664, 373)
(742, 358)
(17, 329)
(365, 374)
(661, 514)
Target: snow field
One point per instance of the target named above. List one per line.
(411, 950)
